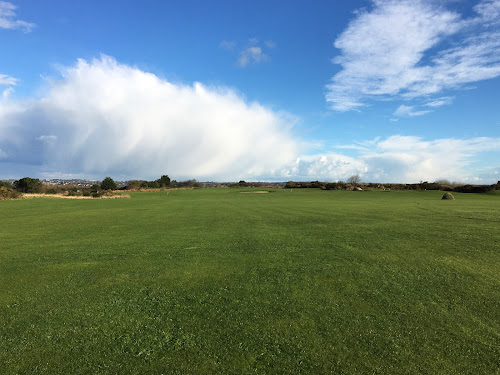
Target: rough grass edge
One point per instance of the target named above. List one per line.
(37, 195)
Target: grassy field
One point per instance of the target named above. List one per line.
(214, 281)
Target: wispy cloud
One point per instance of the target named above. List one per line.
(254, 52)
(409, 111)
(439, 102)
(407, 49)
(8, 18)
(252, 55)
(270, 44)
(7, 92)
(7, 80)
(227, 45)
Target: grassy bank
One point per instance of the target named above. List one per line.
(215, 281)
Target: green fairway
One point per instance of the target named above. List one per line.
(215, 281)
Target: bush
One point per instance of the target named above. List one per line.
(473, 188)
(448, 196)
(8, 193)
(6, 184)
(335, 185)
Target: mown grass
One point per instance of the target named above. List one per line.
(213, 281)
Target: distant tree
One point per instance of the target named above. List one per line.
(28, 185)
(354, 179)
(108, 184)
(164, 181)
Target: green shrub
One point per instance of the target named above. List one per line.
(7, 193)
(6, 184)
(473, 188)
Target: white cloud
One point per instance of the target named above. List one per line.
(439, 102)
(324, 167)
(7, 80)
(398, 50)
(8, 21)
(411, 159)
(403, 159)
(252, 55)
(7, 92)
(105, 118)
(270, 44)
(409, 111)
(228, 45)
(47, 138)
(255, 52)
(489, 10)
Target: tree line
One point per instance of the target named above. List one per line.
(34, 185)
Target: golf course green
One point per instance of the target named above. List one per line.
(208, 281)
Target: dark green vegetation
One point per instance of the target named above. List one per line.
(214, 281)
(108, 184)
(28, 185)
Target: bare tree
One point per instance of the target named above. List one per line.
(354, 179)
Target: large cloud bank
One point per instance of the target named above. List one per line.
(403, 159)
(104, 118)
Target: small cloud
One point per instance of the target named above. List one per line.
(408, 111)
(8, 18)
(255, 51)
(7, 80)
(270, 44)
(228, 45)
(445, 100)
(394, 119)
(47, 138)
(7, 92)
(252, 55)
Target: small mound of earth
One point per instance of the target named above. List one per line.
(254, 192)
(448, 196)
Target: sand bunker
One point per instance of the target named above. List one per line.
(254, 192)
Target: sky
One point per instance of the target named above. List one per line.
(390, 90)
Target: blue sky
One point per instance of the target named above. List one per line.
(395, 91)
